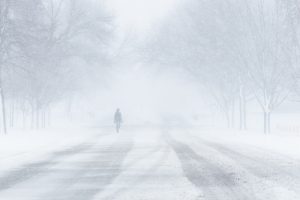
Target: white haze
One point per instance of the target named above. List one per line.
(140, 14)
(149, 99)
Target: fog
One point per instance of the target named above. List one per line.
(201, 98)
(232, 60)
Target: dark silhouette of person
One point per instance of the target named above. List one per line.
(118, 119)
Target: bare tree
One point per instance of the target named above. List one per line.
(46, 36)
(237, 49)
(5, 42)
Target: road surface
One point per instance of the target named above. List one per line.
(158, 164)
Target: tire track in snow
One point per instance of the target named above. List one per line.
(263, 166)
(145, 175)
(94, 175)
(214, 182)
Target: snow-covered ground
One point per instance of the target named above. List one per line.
(23, 146)
(283, 143)
(150, 163)
(242, 165)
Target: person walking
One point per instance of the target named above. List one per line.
(118, 119)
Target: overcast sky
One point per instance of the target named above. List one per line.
(140, 14)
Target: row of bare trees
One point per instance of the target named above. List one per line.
(41, 42)
(238, 50)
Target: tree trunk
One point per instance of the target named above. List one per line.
(43, 118)
(3, 110)
(241, 112)
(267, 122)
(12, 114)
(69, 108)
(232, 114)
(24, 118)
(245, 112)
(48, 117)
(32, 115)
(227, 115)
(37, 115)
(242, 109)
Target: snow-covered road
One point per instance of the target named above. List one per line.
(155, 163)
